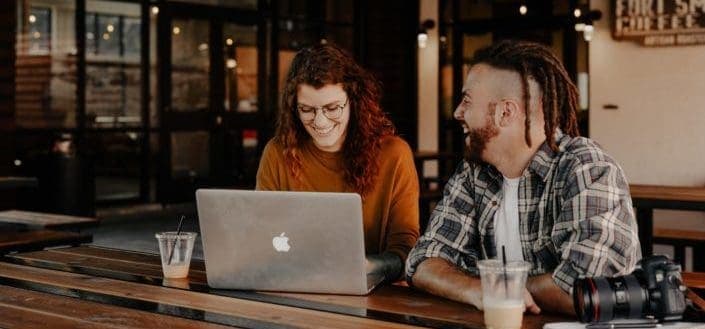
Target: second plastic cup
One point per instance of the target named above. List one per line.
(175, 251)
(503, 292)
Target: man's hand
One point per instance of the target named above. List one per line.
(545, 292)
(529, 304)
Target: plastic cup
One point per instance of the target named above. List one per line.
(175, 251)
(503, 292)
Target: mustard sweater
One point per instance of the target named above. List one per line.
(390, 210)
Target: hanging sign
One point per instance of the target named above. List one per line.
(659, 22)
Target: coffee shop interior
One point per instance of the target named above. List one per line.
(113, 113)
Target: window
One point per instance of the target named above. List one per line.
(112, 35)
(131, 36)
(108, 36)
(39, 26)
(113, 43)
(45, 64)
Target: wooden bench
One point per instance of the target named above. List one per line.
(646, 198)
(37, 220)
(427, 202)
(680, 239)
(431, 188)
(39, 239)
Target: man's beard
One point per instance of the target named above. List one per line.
(478, 141)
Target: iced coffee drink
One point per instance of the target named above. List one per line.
(503, 292)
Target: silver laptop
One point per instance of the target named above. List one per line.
(284, 241)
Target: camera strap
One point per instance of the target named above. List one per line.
(697, 300)
(695, 307)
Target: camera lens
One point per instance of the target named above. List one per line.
(603, 299)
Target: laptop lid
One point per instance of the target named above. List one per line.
(283, 241)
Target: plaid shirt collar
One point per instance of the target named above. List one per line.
(542, 163)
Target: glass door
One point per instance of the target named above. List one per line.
(210, 91)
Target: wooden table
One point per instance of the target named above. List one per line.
(13, 182)
(11, 241)
(646, 198)
(38, 220)
(694, 279)
(99, 287)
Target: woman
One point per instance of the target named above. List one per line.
(332, 136)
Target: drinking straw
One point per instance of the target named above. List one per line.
(178, 232)
(504, 268)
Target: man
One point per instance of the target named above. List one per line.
(530, 184)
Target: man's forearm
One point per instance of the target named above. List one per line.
(441, 278)
(548, 295)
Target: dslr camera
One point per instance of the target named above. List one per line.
(655, 290)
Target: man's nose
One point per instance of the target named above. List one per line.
(458, 113)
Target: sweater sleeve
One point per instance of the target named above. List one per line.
(403, 226)
(267, 174)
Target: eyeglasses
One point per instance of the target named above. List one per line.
(332, 112)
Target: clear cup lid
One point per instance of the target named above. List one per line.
(173, 235)
(496, 265)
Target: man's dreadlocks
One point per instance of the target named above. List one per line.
(532, 60)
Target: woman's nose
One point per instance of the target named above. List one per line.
(319, 118)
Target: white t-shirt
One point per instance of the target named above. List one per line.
(506, 221)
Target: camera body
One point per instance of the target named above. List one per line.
(665, 286)
(654, 289)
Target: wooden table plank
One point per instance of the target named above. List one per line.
(148, 269)
(33, 219)
(670, 233)
(270, 313)
(144, 264)
(118, 267)
(392, 299)
(33, 240)
(13, 317)
(694, 279)
(127, 256)
(50, 309)
(675, 193)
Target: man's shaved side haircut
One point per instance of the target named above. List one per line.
(536, 61)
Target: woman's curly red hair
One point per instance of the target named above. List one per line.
(322, 65)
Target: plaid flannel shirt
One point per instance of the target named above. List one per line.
(575, 215)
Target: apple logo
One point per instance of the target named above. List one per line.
(281, 243)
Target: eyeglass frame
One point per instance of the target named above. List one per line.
(324, 110)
